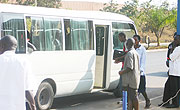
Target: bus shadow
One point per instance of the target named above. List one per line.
(73, 102)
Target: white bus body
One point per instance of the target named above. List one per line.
(79, 60)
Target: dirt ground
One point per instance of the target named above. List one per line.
(167, 36)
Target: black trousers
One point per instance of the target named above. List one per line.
(172, 86)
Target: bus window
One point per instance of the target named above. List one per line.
(35, 28)
(13, 24)
(127, 28)
(91, 35)
(77, 34)
(53, 34)
(67, 30)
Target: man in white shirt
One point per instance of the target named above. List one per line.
(142, 60)
(14, 77)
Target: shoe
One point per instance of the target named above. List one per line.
(163, 105)
(172, 106)
(148, 104)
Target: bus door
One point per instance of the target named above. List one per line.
(102, 34)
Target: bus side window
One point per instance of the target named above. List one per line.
(57, 42)
(53, 34)
(67, 34)
(30, 46)
(13, 24)
(36, 28)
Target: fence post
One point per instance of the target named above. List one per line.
(124, 100)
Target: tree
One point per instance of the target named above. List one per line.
(173, 20)
(110, 7)
(130, 9)
(143, 17)
(157, 19)
(147, 17)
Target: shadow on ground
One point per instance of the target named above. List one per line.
(158, 74)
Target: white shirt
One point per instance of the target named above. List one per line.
(174, 63)
(142, 59)
(14, 80)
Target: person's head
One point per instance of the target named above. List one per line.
(130, 43)
(8, 43)
(122, 37)
(137, 39)
(177, 40)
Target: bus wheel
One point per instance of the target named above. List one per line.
(44, 96)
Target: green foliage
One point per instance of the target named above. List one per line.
(157, 19)
(173, 18)
(111, 7)
(49, 3)
(147, 17)
(130, 9)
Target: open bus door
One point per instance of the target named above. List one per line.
(102, 35)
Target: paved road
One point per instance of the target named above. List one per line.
(156, 76)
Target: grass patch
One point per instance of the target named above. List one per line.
(157, 47)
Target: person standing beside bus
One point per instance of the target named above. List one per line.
(142, 60)
(14, 77)
(131, 75)
(122, 39)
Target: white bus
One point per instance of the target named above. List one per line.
(73, 51)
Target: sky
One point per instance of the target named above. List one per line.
(173, 3)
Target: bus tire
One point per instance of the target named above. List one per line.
(44, 96)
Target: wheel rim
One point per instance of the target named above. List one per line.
(44, 97)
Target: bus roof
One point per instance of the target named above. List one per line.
(62, 12)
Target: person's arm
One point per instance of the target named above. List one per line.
(30, 84)
(129, 64)
(30, 100)
(143, 60)
(119, 59)
(125, 71)
(175, 53)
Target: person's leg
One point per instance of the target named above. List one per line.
(136, 104)
(166, 94)
(174, 89)
(118, 90)
(133, 94)
(147, 99)
(130, 104)
(144, 92)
